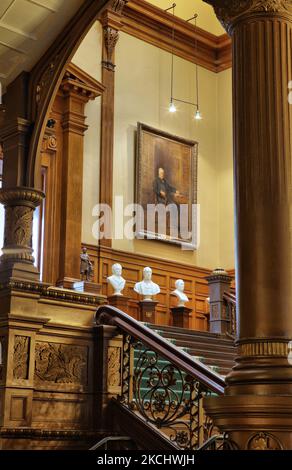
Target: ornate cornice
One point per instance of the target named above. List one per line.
(21, 196)
(230, 11)
(53, 293)
(47, 434)
(219, 275)
(151, 24)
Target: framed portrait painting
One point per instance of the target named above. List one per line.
(166, 187)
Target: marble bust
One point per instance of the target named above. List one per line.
(179, 293)
(116, 280)
(147, 287)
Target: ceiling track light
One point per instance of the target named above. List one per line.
(172, 107)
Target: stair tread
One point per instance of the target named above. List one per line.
(214, 350)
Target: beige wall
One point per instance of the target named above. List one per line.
(88, 57)
(142, 94)
(185, 9)
(225, 170)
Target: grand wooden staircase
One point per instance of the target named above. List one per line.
(216, 351)
(157, 380)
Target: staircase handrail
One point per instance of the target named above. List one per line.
(108, 315)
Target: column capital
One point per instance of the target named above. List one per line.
(229, 12)
(111, 21)
(17, 259)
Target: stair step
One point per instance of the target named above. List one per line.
(216, 351)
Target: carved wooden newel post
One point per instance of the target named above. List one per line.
(219, 283)
(257, 407)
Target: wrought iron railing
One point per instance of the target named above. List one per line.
(161, 383)
(230, 306)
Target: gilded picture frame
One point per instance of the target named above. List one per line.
(166, 175)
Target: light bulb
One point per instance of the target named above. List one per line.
(198, 115)
(172, 108)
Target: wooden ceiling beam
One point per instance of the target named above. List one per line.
(154, 26)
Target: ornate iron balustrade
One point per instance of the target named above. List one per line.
(163, 384)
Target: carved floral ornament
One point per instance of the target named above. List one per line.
(229, 11)
(118, 5)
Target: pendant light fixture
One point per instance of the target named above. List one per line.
(173, 100)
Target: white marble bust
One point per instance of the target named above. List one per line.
(179, 293)
(116, 280)
(147, 287)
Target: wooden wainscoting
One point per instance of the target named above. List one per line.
(165, 273)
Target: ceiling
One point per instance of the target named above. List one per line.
(185, 9)
(27, 29)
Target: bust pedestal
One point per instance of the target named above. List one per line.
(80, 286)
(92, 287)
(148, 311)
(181, 317)
(119, 301)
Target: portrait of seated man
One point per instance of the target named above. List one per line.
(164, 192)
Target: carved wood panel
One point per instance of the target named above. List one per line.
(21, 357)
(61, 364)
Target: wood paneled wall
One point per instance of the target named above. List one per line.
(165, 273)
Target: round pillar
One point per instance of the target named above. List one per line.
(259, 387)
(17, 260)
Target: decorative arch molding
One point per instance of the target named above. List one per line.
(46, 77)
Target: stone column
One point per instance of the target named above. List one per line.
(19, 201)
(17, 259)
(257, 407)
(112, 23)
(219, 282)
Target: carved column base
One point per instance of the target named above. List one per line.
(148, 311)
(253, 422)
(181, 317)
(17, 260)
(119, 301)
(256, 410)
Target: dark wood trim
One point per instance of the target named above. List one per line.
(154, 26)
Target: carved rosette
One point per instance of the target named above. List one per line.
(264, 441)
(19, 204)
(229, 12)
